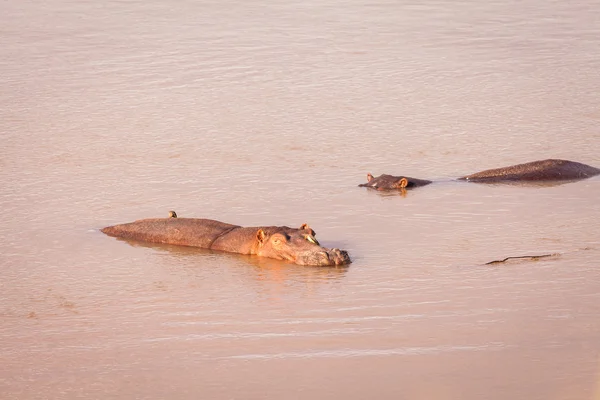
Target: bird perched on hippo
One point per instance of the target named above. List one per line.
(535, 171)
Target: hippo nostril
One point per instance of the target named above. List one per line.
(340, 256)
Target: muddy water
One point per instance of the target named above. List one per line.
(271, 114)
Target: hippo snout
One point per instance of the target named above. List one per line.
(339, 256)
(324, 257)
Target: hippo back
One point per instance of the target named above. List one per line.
(544, 170)
(180, 231)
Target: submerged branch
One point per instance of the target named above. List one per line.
(516, 257)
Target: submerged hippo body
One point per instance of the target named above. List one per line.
(536, 171)
(279, 242)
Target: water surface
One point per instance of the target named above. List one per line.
(271, 114)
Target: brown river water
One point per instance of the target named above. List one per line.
(271, 113)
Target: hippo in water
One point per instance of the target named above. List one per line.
(296, 245)
(536, 171)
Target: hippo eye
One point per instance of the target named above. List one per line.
(281, 238)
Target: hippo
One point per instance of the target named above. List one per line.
(296, 245)
(535, 171)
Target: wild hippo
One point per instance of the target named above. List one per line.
(537, 171)
(279, 242)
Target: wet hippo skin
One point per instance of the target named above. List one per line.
(296, 245)
(535, 171)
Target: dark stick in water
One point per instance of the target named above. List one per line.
(531, 257)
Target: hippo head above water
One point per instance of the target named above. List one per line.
(390, 182)
(298, 246)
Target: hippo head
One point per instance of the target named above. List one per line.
(298, 246)
(390, 182)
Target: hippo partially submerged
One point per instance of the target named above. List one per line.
(279, 242)
(536, 171)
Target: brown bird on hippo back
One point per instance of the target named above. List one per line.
(536, 171)
(296, 245)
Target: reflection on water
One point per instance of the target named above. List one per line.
(265, 268)
(271, 115)
(533, 184)
(283, 275)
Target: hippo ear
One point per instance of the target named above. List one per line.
(369, 177)
(305, 227)
(402, 183)
(261, 236)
